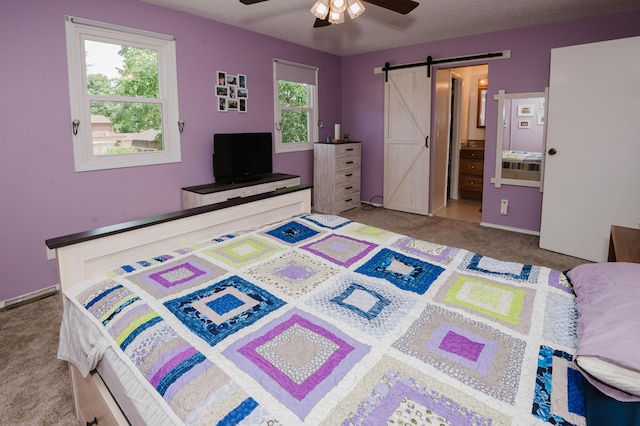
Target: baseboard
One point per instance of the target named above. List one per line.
(29, 297)
(508, 228)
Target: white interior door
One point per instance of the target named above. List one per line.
(441, 140)
(593, 124)
(406, 154)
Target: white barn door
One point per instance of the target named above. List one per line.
(593, 179)
(407, 121)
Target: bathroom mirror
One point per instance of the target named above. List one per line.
(521, 139)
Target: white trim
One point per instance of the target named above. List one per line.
(509, 228)
(28, 296)
(118, 28)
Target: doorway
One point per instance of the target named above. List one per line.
(457, 180)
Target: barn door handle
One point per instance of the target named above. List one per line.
(553, 151)
(426, 142)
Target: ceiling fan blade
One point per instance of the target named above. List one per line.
(321, 22)
(251, 1)
(400, 6)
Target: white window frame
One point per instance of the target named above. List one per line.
(312, 109)
(77, 31)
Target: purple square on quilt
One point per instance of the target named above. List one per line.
(463, 347)
(460, 345)
(297, 358)
(340, 249)
(176, 275)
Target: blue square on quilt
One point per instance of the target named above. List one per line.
(292, 232)
(215, 312)
(402, 271)
(327, 220)
(370, 306)
(364, 302)
(479, 264)
(558, 405)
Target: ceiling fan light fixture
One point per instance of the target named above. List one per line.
(336, 17)
(320, 9)
(355, 8)
(338, 6)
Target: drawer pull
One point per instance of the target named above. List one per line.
(349, 149)
(282, 187)
(349, 199)
(349, 175)
(93, 422)
(349, 162)
(349, 187)
(233, 198)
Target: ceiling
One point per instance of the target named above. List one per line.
(378, 28)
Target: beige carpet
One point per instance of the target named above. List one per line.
(35, 386)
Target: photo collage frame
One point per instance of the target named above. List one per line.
(232, 93)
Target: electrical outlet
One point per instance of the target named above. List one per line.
(504, 206)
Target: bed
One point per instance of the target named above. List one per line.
(257, 311)
(522, 165)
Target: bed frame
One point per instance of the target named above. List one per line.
(92, 253)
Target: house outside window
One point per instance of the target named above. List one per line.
(296, 106)
(124, 97)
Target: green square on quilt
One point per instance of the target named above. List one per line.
(509, 305)
(243, 251)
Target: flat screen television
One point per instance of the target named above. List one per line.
(241, 157)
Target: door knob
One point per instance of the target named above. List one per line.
(552, 151)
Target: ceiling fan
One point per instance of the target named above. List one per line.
(399, 6)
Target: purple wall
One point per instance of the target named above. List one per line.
(526, 71)
(42, 195)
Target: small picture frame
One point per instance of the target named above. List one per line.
(243, 93)
(222, 78)
(242, 81)
(242, 105)
(541, 119)
(232, 104)
(222, 91)
(232, 80)
(222, 104)
(525, 110)
(524, 124)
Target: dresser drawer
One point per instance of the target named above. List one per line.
(470, 183)
(348, 202)
(347, 163)
(347, 188)
(471, 167)
(474, 154)
(347, 176)
(348, 149)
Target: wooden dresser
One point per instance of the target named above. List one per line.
(336, 176)
(471, 171)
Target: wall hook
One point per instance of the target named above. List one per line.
(180, 125)
(74, 125)
(279, 126)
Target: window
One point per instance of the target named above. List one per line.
(296, 106)
(124, 96)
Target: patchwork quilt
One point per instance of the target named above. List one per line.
(321, 320)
